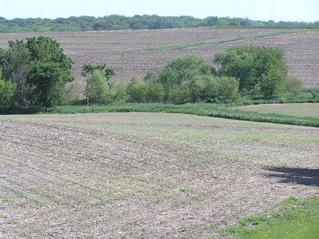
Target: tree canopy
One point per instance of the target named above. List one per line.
(39, 70)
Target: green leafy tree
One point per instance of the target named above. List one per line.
(179, 72)
(137, 90)
(46, 49)
(255, 67)
(37, 67)
(97, 89)
(47, 83)
(15, 67)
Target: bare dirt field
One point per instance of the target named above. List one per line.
(138, 52)
(146, 175)
(295, 109)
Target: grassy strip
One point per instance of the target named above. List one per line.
(217, 42)
(294, 219)
(211, 110)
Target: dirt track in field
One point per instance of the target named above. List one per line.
(144, 175)
(138, 52)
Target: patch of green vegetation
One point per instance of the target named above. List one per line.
(217, 42)
(212, 110)
(295, 219)
(295, 109)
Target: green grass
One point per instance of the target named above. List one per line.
(217, 42)
(212, 110)
(294, 219)
(296, 109)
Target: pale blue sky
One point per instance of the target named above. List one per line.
(291, 10)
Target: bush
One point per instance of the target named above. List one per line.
(7, 90)
(98, 89)
(179, 72)
(142, 91)
(180, 95)
(136, 90)
(72, 92)
(256, 67)
(214, 89)
(119, 92)
(293, 85)
(154, 92)
(222, 89)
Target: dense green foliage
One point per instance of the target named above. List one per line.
(7, 90)
(46, 84)
(39, 70)
(260, 70)
(183, 80)
(116, 22)
(246, 70)
(294, 220)
(142, 91)
(99, 88)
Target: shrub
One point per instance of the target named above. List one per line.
(154, 92)
(179, 72)
(180, 95)
(98, 89)
(7, 90)
(143, 91)
(71, 93)
(223, 88)
(137, 90)
(293, 85)
(119, 92)
(214, 89)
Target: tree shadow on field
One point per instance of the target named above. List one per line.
(304, 176)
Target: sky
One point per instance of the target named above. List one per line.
(286, 10)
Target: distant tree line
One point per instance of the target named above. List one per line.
(117, 22)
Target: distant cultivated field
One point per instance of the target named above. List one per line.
(138, 52)
(146, 175)
(303, 109)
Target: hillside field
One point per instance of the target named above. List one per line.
(146, 175)
(136, 52)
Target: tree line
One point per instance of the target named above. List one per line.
(36, 72)
(250, 71)
(117, 22)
